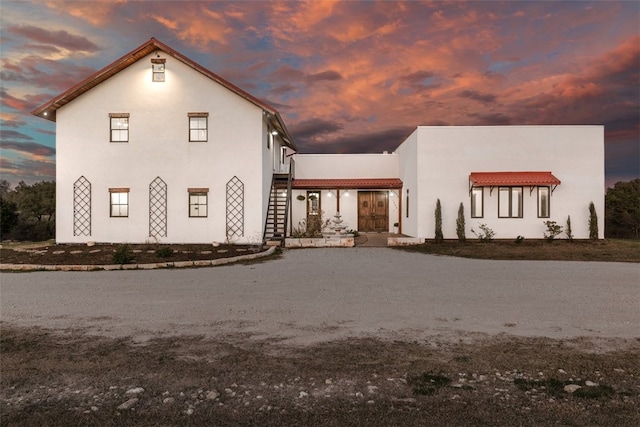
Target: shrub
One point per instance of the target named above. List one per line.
(485, 234)
(460, 224)
(553, 229)
(568, 230)
(164, 252)
(310, 228)
(519, 240)
(438, 232)
(593, 222)
(122, 255)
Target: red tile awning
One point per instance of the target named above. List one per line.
(491, 179)
(332, 184)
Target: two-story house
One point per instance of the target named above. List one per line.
(155, 147)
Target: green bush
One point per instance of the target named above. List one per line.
(460, 224)
(568, 230)
(486, 234)
(553, 229)
(164, 252)
(593, 222)
(122, 255)
(438, 232)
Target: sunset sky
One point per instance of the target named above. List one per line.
(347, 77)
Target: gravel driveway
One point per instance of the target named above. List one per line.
(314, 295)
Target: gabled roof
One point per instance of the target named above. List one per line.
(490, 179)
(48, 110)
(350, 183)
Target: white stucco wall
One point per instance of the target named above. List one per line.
(159, 146)
(344, 166)
(408, 172)
(446, 156)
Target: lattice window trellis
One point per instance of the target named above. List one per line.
(158, 208)
(82, 207)
(235, 208)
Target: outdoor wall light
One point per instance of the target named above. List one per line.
(158, 69)
(274, 133)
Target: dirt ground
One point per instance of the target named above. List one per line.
(103, 254)
(321, 337)
(70, 378)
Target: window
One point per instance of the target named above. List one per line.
(510, 202)
(477, 202)
(313, 204)
(544, 202)
(198, 202)
(119, 125)
(119, 202)
(198, 127)
(407, 209)
(157, 69)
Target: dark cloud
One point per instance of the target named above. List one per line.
(417, 77)
(45, 73)
(23, 105)
(492, 119)
(374, 142)
(61, 38)
(29, 171)
(7, 135)
(477, 96)
(325, 75)
(29, 147)
(312, 128)
(287, 73)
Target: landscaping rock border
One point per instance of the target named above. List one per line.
(110, 267)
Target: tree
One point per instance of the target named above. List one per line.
(438, 235)
(36, 201)
(5, 187)
(568, 231)
(622, 210)
(460, 224)
(8, 217)
(593, 222)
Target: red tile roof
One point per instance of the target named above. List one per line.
(48, 110)
(486, 179)
(350, 183)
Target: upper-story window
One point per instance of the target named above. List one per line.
(157, 69)
(198, 127)
(509, 202)
(119, 127)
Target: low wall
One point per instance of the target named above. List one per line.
(320, 242)
(404, 241)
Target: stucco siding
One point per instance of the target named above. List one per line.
(159, 146)
(574, 154)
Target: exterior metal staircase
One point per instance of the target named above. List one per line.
(275, 227)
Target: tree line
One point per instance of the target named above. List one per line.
(28, 211)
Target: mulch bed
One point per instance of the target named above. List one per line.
(103, 254)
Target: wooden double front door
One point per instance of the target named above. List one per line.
(373, 211)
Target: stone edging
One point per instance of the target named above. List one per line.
(109, 267)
